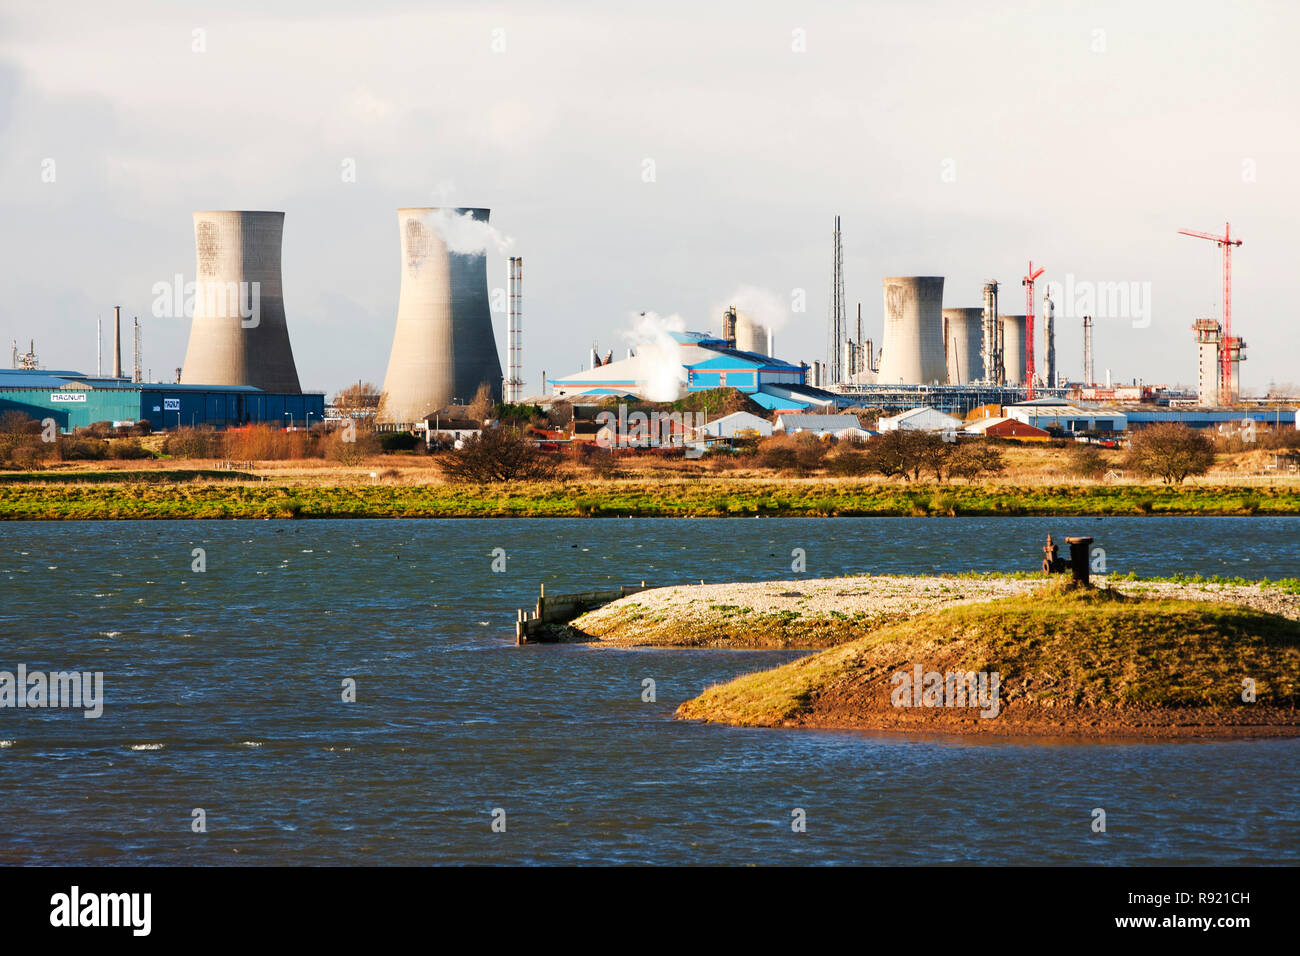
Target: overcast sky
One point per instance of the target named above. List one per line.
(657, 156)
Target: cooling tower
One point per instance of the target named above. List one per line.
(1013, 348)
(443, 348)
(963, 344)
(750, 335)
(912, 348)
(238, 335)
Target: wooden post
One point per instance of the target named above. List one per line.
(1080, 559)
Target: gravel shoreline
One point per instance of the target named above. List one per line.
(814, 613)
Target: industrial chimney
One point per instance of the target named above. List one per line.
(117, 341)
(239, 335)
(991, 349)
(443, 347)
(729, 327)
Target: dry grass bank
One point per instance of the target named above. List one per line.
(1067, 663)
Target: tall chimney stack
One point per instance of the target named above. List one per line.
(117, 341)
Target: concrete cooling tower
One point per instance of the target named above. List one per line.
(238, 335)
(963, 342)
(443, 348)
(751, 336)
(1013, 348)
(912, 348)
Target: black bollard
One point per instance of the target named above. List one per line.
(1080, 559)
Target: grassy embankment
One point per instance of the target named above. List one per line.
(1089, 662)
(196, 494)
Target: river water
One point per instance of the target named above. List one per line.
(223, 693)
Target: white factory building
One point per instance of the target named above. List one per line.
(922, 419)
(823, 426)
(737, 425)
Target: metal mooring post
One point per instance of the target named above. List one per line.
(1049, 556)
(1080, 558)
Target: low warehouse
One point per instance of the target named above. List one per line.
(921, 419)
(737, 425)
(75, 400)
(1069, 417)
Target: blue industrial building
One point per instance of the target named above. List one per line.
(1278, 417)
(75, 400)
(707, 362)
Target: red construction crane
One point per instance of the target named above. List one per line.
(1028, 283)
(1225, 242)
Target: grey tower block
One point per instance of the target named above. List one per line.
(912, 346)
(236, 253)
(443, 346)
(965, 341)
(1013, 348)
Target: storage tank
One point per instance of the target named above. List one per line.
(912, 347)
(1013, 348)
(443, 346)
(238, 335)
(751, 336)
(963, 344)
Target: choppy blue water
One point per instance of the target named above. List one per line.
(223, 692)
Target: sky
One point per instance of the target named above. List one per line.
(659, 157)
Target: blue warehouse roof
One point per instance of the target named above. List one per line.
(734, 358)
(62, 378)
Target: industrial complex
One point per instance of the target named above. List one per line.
(950, 359)
(239, 366)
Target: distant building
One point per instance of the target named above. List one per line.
(75, 400)
(922, 419)
(855, 433)
(1277, 417)
(447, 429)
(1069, 417)
(819, 425)
(737, 425)
(1004, 427)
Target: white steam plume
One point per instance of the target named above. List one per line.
(466, 235)
(659, 354)
(762, 305)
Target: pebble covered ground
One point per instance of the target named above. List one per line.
(827, 611)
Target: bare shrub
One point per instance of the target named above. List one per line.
(973, 459)
(1169, 451)
(800, 454)
(129, 449)
(498, 454)
(1085, 461)
(906, 454)
(336, 446)
(192, 443)
(20, 440)
(74, 448)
